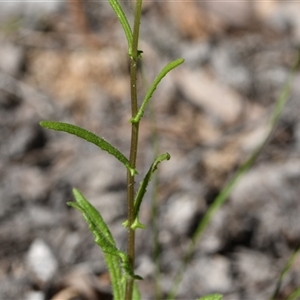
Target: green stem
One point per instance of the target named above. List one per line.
(134, 144)
(284, 271)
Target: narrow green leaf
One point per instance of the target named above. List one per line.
(295, 295)
(124, 22)
(93, 214)
(96, 224)
(136, 292)
(212, 297)
(285, 271)
(103, 236)
(127, 267)
(170, 66)
(107, 243)
(142, 190)
(90, 137)
(117, 282)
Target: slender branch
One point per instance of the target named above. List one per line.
(134, 145)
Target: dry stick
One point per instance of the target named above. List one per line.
(134, 144)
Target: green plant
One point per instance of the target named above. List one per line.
(283, 274)
(119, 263)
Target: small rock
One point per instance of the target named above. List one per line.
(219, 101)
(269, 194)
(230, 68)
(23, 139)
(43, 216)
(28, 182)
(179, 213)
(35, 295)
(41, 260)
(31, 11)
(252, 139)
(146, 266)
(232, 14)
(11, 58)
(209, 274)
(195, 54)
(284, 17)
(258, 271)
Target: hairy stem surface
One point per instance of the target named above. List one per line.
(134, 144)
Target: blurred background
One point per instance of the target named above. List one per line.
(67, 61)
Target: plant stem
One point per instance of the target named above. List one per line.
(134, 145)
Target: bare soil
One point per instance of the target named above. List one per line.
(58, 62)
